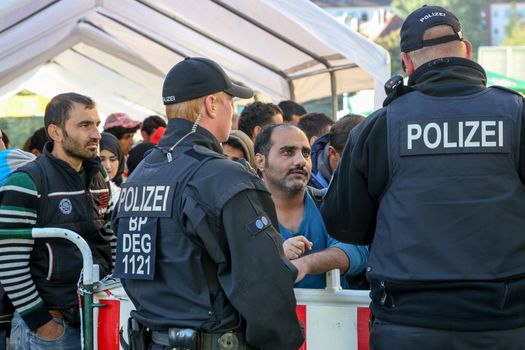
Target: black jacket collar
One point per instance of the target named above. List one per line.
(449, 76)
(92, 166)
(177, 128)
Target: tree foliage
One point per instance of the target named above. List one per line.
(469, 13)
(514, 20)
(516, 38)
(514, 30)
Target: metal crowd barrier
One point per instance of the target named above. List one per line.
(86, 288)
(334, 318)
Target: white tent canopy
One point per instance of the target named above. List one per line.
(118, 51)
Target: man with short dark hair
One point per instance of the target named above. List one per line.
(434, 181)
(65, 187)
(257, 115)
(292, 111)
(35, 144)
(283, 159)
(149, 125)
(327, 150)
(315, 125)
(212, 254)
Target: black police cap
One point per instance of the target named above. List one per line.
(425, 18)
(196, 77)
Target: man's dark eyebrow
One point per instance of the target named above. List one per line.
(86, 121)
(287, 148)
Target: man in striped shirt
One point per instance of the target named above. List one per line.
(65, 187)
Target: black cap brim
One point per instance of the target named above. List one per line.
(239, 91)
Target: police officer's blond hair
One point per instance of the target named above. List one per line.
(189, 110)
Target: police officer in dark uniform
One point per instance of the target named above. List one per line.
(434, 181)
(198, 250)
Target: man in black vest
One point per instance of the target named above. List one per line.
(198, 249)
(434, 181)
(65, 187)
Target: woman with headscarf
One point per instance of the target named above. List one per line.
(112, 158)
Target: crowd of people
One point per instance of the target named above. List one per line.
(212, 219)
(80, 172)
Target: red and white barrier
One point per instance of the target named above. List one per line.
(111, 316)
(334, 319)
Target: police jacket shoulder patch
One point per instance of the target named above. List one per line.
(259, 224)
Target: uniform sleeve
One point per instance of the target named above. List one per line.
(18, 209)
(350, 205)
(259, 283)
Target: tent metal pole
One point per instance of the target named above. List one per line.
(291, 87)
(274, 33)
(223, 43)
(149, 37)
(284, 39)
(333, 87)
(326, 70)
(28, 17)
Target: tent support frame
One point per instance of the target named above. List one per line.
(304, 50)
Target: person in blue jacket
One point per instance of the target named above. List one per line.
(283, 159)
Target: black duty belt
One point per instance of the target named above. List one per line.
(207, 341)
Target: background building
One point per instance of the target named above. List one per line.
(499, 15)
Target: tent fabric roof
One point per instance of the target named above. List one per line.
(118, 51)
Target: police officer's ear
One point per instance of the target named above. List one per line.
(210, 105)
(408, 65)
(468, 47)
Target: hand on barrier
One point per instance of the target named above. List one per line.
(50, 330)
(295, 247)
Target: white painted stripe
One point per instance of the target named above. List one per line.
(22, 221)
(17, 213)
(19, 189)
(99, 191)
(12, 249)
(33, 296)
(29, 306)
(73, 193)
(22, 293)
(13, 257)
(7, 241)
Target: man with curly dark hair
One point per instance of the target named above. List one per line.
(258, 114)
